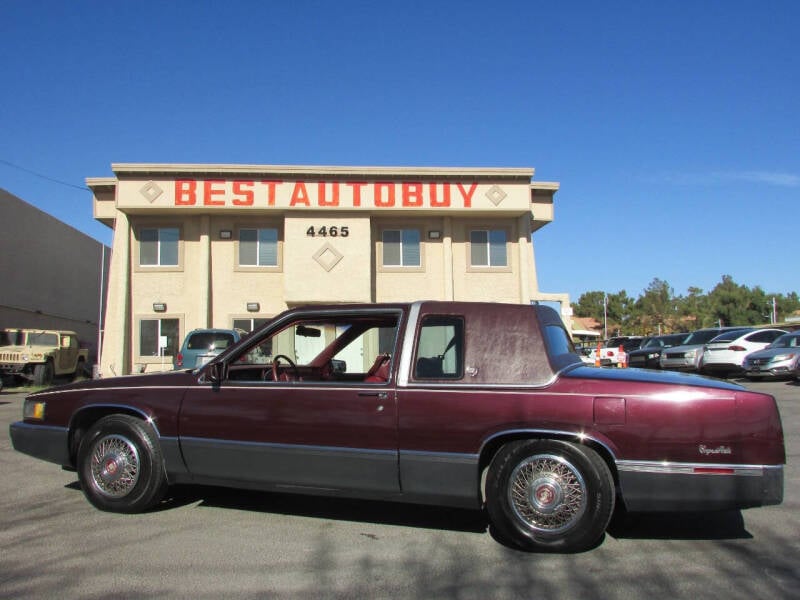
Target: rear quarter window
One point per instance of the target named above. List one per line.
(558, 342)
(440, 349)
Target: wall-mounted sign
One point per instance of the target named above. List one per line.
(304, 194)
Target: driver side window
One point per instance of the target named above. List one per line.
(337, 348)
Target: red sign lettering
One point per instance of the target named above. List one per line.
(412, 194)
(299, 195)
(467, 195)
(356, 186)
(324, 194)
(211, 189)
(242, 196)
(321, 195)
(379, 200)
(271, 191)
(185, 192)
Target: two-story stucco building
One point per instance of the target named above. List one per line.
(200, 245)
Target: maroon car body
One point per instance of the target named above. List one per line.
(466, 404)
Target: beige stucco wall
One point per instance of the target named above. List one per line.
(209, 203)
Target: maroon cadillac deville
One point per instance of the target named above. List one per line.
(450, 403)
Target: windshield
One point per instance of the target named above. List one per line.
(12, 338)
(42, 338)
(701, 337)
(210, 340)
(729, 336)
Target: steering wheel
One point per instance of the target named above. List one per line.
(277, 375)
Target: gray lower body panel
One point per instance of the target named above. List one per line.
(41, 441)
(441, 478)
(287, 466)
(657, 487)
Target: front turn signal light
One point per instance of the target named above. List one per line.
(33, 410)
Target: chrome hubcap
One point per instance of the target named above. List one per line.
(547, 493)
(115, 466)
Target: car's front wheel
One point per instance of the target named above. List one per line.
(550, 495)
(120, 465)
(43, 374)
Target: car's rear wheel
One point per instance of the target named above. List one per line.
(549, 494)
(120, 465)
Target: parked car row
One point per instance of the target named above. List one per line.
(649, 354)
(756, 353)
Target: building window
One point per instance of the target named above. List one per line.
(258, 247)
(249, 325)
(151, 332)
(488, 248)
(158, 246)
(401, 248)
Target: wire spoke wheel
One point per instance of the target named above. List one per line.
(115, 466)
(120, 465)
(547, 493)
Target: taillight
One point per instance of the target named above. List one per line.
(179, 360)
(737, 348)
(714, 471)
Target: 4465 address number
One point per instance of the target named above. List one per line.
(328, 231)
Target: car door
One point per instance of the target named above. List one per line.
(68, 353)
(335, 434)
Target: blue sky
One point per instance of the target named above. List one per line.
(672, 127)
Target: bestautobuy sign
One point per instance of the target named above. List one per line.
(216, 194)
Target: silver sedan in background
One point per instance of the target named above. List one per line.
(781, 359)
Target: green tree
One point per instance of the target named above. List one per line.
(590, 304)
(659, 309)
(692, 310)
(654, 311)
(619, 313)
(734, 304)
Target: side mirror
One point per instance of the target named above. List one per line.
(215, 372)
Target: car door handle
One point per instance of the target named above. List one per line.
(378, 395)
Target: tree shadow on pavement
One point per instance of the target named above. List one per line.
(325, 507)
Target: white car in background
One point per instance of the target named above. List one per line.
(614, 349)
(725, 354)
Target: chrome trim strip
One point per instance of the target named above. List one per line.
(276, 446)
(671, 468)
(148, 418)
(112, 388)
(448, 456)
(579, 436)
